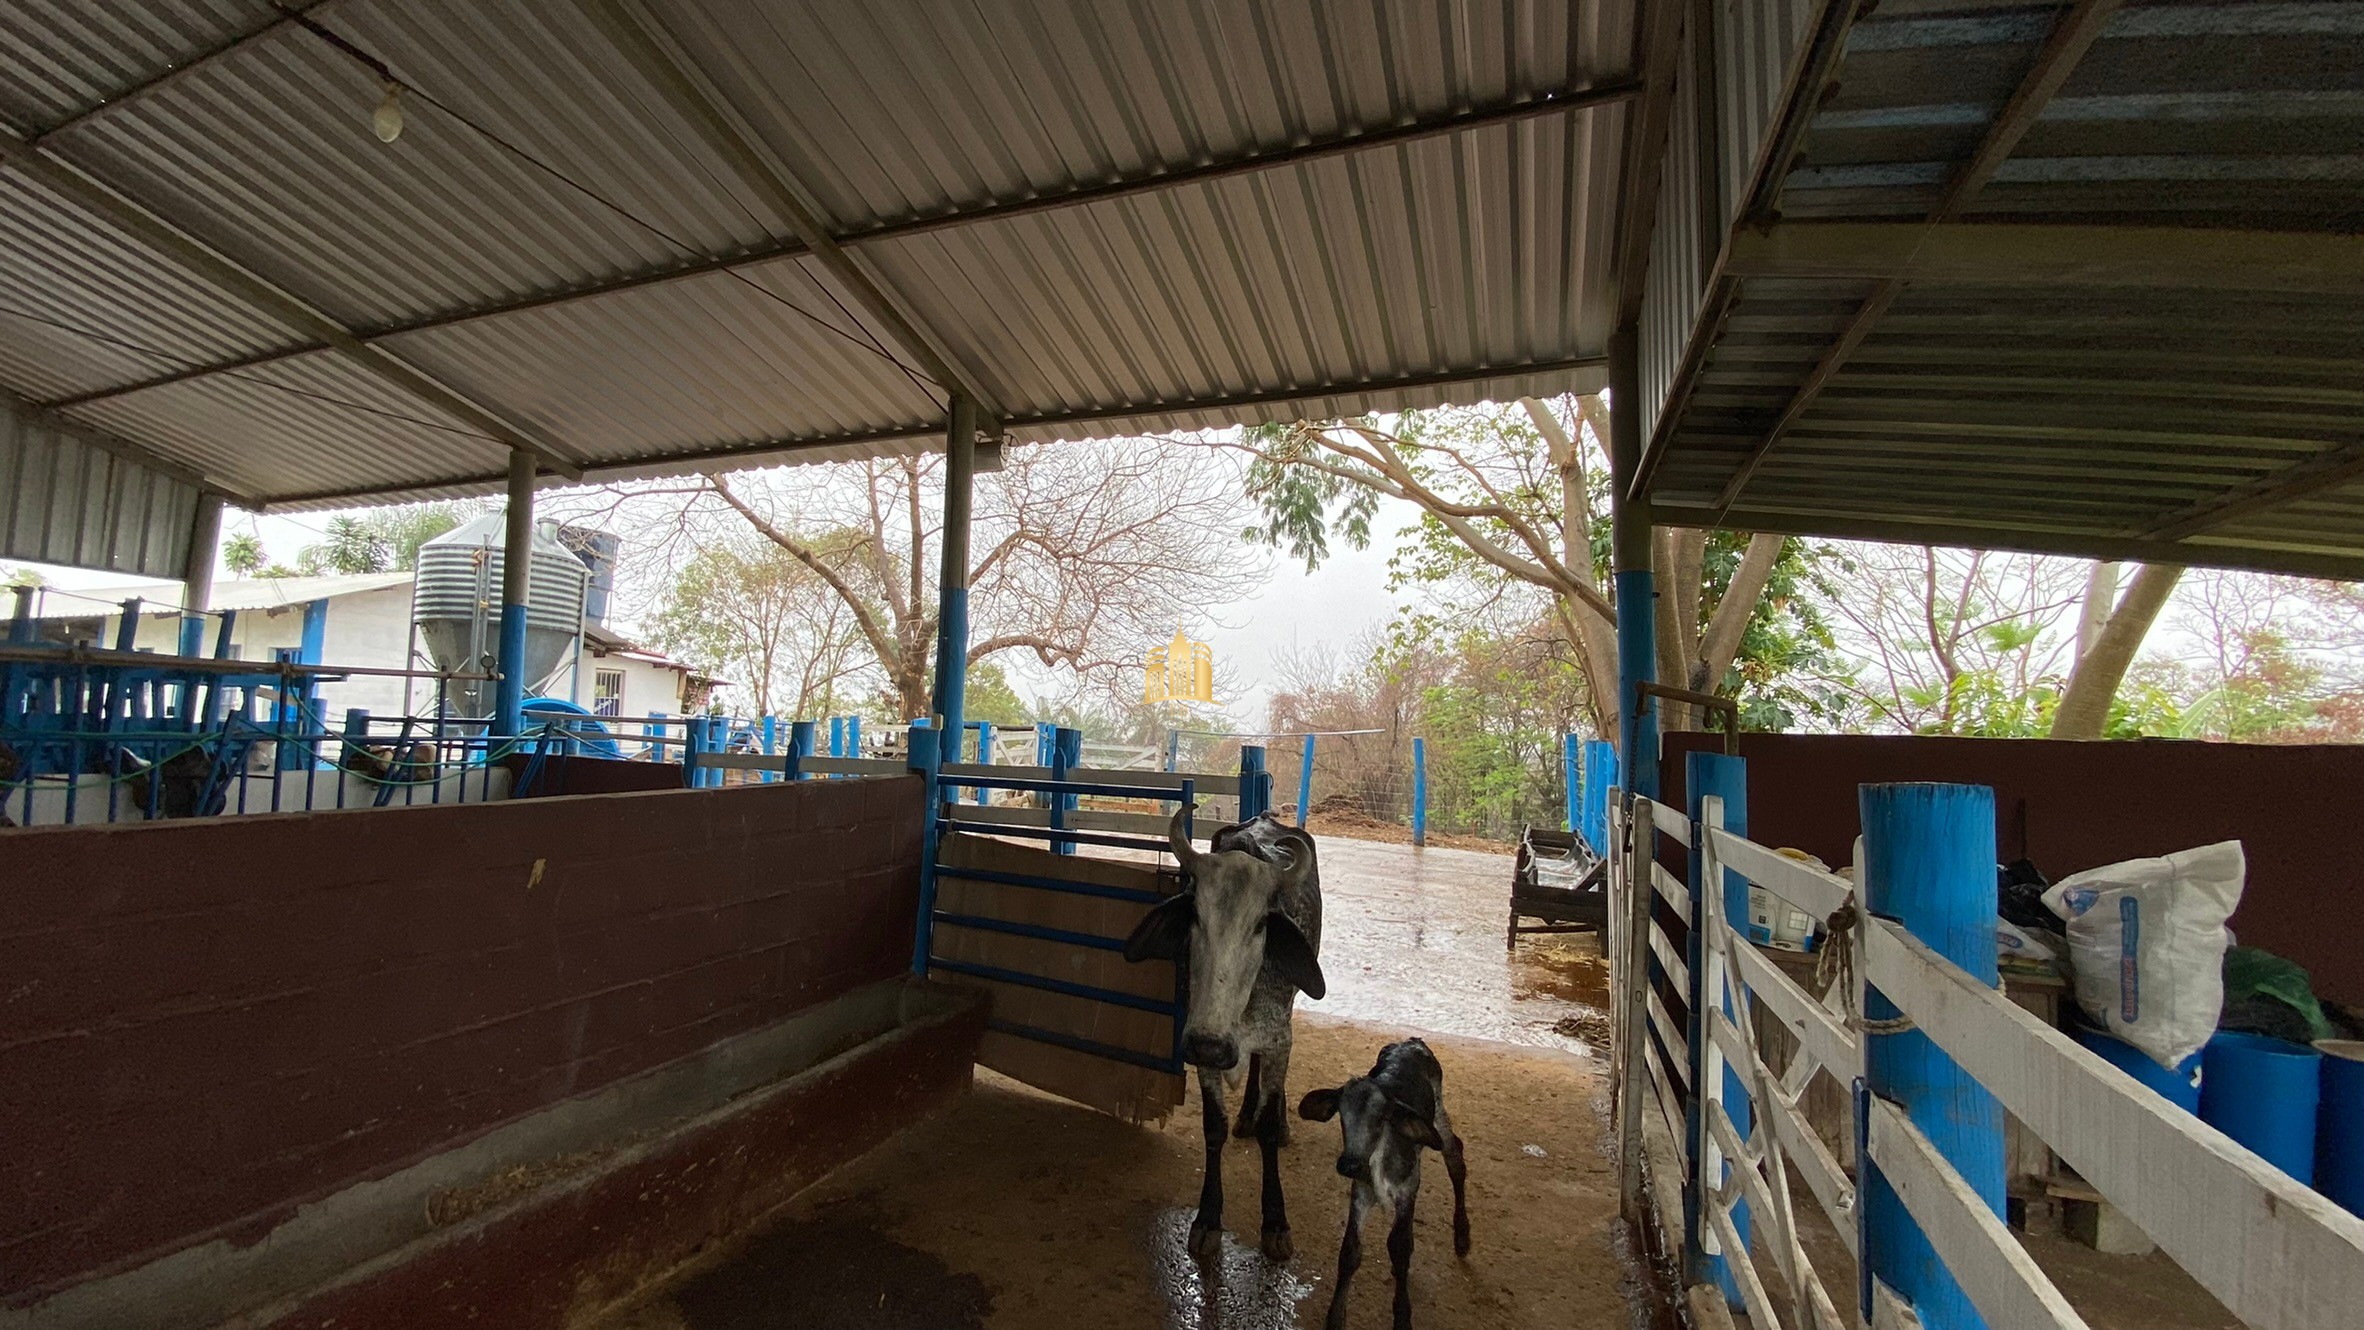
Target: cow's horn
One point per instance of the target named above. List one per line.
(1179, 835)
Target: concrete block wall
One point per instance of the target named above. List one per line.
(205, 1024)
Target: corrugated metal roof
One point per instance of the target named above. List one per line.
(2195, 414)
(1425, 269)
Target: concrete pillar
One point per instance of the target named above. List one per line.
(517, 571)
(952, 614)
(1629, 547)
(205, 535)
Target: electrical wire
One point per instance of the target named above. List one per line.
(865, 339)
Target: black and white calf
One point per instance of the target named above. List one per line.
(1388, 1118)
(1247, 928)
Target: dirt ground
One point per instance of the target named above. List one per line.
(1015, 1209)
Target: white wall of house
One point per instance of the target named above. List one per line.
(364, 628)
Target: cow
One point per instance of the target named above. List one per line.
(1387, 1119)
(183, 785)
(1247, 929)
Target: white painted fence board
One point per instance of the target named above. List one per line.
(2275, 1253)
(1077, 819)
(1673, 888)
(1799, 1144)
(1670, 1104)
(1819, 1036)
(1996, 1273)
(1744, 1270)
(1670, 1033)
(1802, 885)
(1670, 821)
(1671, 959)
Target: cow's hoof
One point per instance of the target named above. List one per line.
(1244, 1129)
(1461, 1237)
(1277, 1247)
(1206, 1241)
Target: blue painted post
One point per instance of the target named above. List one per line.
(853, 736)
(771, 743)
(984, 753)
(1254, 784)
(1419, 792)
(1571, 772)
(924, 754)
(1066, 756)
(1046, 738)
(800, 747)
(356, 737)
(653, 731)
(1929, 863)
(1305, 783)
(20, 619)
(517, 558)
(952, 580)
(837, 736)
(1600, 774)
(1725, 778)
(693, 733)
(127, 624)
(1173, 749)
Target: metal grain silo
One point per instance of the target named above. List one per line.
(455, 602)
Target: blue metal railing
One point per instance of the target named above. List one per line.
(1061, 795)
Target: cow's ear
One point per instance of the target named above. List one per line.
(1287, 951)
(1164, 933)
(1318, 1106)
(1417, 1126)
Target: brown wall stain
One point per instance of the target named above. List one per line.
(205, 1023)
(2074, 805)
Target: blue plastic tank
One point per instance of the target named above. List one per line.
(2263, 1093)
(2180, 1087)
(2339, 1126)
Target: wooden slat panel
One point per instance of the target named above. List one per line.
(1123, 1089)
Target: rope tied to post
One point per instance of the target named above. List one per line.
(1837, 965)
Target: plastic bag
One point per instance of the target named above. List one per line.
(2147, 942)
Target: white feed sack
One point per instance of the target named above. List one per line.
(2147, 942)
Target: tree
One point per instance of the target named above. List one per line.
(1082, 554)
(386, 540)
(742, 609)
(243, 554)
(2108, 638)
(1509, 497)
(10, 576)
(1954, 641)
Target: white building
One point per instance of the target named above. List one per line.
(361, 621)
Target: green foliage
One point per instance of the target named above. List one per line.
(1303, 506)
(988, 696)
(12, 576)
(243, 554)
(387, 540)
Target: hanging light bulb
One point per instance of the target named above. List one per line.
(387, 119)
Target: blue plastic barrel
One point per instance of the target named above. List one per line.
(2180, 1087)
(2263, 1093)
(2339, 1127)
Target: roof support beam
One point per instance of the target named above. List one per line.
(2049, 256)
(1157, 181)
(626, 31)
(2072, 36)
(784, 451)
(1658, 42)
(160, 234)
(2329, 470)
(1840, 522)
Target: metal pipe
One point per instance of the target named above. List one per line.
(1723, 706)
(517, 570)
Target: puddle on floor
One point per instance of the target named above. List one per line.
(1240, 1290)
(835, 1271)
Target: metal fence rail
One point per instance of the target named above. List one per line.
(1934, 1054)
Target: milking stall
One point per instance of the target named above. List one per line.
(506, 1030)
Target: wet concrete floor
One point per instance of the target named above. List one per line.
(1017, 1209)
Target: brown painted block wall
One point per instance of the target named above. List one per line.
(2298, 812)
(205, 1023)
